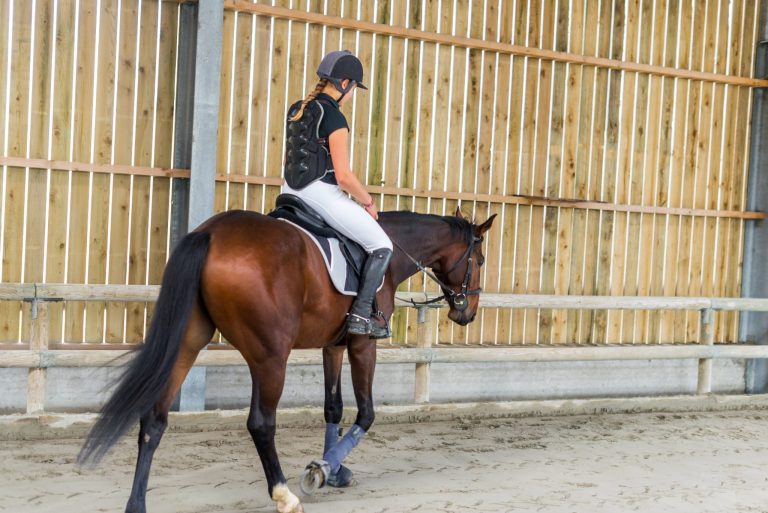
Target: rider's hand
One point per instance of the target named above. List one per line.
(371, 209)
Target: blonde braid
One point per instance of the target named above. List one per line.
(311, 96)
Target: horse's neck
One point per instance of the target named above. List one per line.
(423, 238)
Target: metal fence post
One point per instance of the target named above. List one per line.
(753, 326)
(38, 341)
(202, 148)
(425, 333)
(706, 337)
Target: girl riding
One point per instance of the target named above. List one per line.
(317, 170)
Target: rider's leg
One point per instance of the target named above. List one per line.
(352, 220)
(359, 320)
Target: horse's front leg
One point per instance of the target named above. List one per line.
(362, 360)
(333, 358)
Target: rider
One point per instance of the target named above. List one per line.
(321, 159)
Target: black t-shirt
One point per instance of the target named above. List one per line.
(333, 119)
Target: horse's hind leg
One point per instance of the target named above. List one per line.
(268, 379)
(153, 423)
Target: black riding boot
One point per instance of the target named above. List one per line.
(359, 318)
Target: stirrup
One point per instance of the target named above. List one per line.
(378, 331)
(358, 325)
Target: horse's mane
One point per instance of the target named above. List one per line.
(459, 227)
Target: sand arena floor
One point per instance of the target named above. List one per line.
(688, 462)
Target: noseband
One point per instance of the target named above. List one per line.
(458, 300)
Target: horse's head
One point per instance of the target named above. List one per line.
(459, 271)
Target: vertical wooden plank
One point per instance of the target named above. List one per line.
(16, 141)
(664, 229)
(579, 118)
(597, 149)
(102, 154)
(643, 182)
(240, 103)
(530, 82)
(669, 276)
(570, 37)
(260, 106)
(61, 182)
(41, 109)
(490, 116)
(622, 191)
(358, 110)
(278, 102)
(7, 309)
(142, 186)
(509, 319)
(695, 58)
(470, 136)
(395, 101)
(703, 143)
(715, 154)
(38, 341)
(80, 152)
(608, 184)
(441, 130)
(229, 67)
(37, 145)
(163, 157)
(410, 114)
(378, 71)
(741, 160)
(5, 25)
(122, 185)
(451, 181)
(498, 262)
(539, 167)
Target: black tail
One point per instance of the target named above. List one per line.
(147, 375)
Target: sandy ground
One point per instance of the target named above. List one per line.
(705, 462)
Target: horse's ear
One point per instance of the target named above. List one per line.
(458, 213)
(485, 226)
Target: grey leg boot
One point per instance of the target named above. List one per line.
(359, 318)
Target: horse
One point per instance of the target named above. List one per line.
(263, 284)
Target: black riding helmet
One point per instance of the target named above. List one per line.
(340, 65)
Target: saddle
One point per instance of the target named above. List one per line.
(344, 258)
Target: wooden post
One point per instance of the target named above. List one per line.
(425, 333)
(38, 341)
(707, 337)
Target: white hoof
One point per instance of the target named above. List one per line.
(286, 501)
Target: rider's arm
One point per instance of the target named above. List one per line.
(347, 180)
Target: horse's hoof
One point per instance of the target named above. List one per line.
(286, 501)
(315, 477)
(342, 479)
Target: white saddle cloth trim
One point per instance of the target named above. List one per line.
(337, 265)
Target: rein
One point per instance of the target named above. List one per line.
(459, 300)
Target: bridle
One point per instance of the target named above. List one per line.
(458, 300)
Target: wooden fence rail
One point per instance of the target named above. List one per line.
(39, 357)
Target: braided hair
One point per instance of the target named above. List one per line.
(311, 96)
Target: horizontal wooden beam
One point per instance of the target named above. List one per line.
(149, 293)
(273, 181)
(480, 44)
(408, 355)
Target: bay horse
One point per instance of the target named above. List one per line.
(264, 285)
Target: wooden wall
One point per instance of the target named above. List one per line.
(609, 137)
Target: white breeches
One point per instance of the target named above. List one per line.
(343, 214)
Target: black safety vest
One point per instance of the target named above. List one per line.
(307, 155)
